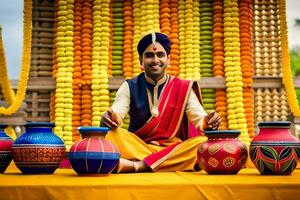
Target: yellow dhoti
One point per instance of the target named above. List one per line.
(182, 158)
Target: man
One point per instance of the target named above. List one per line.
(162, 110)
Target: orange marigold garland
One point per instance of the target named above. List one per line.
(127, 45)
(86, 53)
(218, 61)
(245, 25)
(76, 115)
(174, 53)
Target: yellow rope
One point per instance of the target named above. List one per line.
(287, 77)
(16, 102)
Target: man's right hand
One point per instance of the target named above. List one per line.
(212, 121)
(111, 119)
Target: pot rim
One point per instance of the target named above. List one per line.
(97, 129)
(222, 132)
(39, 125)
(3, 126)
(275, 124)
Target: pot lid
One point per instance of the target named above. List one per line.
(2, 126)
(39, 124)
(275, 124)
(223, 132)
(85, 129)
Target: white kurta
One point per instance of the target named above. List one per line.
(193, 110)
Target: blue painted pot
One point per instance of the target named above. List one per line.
(93, 155)
(38, 150)
(5, 149)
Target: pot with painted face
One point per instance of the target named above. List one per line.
(274, 150)
(222, 153)
(5, 149)
(38, 150)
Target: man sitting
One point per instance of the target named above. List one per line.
(166, 115)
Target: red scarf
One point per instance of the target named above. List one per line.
(171, 109)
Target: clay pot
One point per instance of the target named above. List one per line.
(38, 150)
(274, 150)
(222, 153)
(93, 155)
(5, 149)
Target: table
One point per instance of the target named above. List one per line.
(66, 184)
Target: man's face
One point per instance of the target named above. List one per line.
(155, 61)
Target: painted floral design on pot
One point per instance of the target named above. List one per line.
(38, 150)
(93, 155)
(5, 149)
(222, 153)
(274, 150)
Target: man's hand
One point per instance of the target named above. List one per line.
(212, 121)
(111, 119)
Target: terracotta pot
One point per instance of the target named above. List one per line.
(5, 149)
(38, 150)
(274, 150)
(93, 155)
(222, 153)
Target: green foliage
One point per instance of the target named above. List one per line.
(295, 65)
(295, 61)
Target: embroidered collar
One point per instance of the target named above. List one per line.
(159, 82)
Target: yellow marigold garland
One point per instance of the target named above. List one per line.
(7, 91)
(136, 35)
(181, 37)
(22, 86)
(287, 77)
(233, 74)
(189, 33)
(196, 40)
(96, 55)
(103, 68)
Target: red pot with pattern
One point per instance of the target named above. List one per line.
(222, 153)
(5, 149)
(274, 150)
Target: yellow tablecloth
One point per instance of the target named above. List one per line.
(65, 184)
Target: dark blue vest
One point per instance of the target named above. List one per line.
(139, 106)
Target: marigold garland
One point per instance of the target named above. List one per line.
(102, 100)
(218, 61)
(245, 25)
(181, 36)
(127, 45)
(22, 86)
(287, 78)
(76, 115)
(233, 74)
(117, 37)
(7, 91)
(189, 24)
(137, 22)
(174, 53)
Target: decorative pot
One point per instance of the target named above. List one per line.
(38, 150)
(222, 153)
(5, 149)
(93, 155)
(274, 150)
